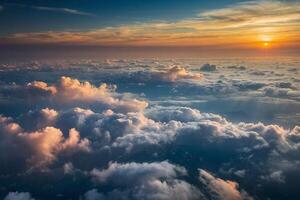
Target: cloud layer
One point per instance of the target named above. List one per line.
(150, 137)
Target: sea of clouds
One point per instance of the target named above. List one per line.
(150, 129)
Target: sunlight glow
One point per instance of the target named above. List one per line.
(266, 44)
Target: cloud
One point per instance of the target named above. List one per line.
(220, 189)
(68, 168)
(63, 10)
(242, 14)
(160, 181)
(18, 196)
(136, 173)
(282, 92)
(249, 85)
(237, 67)
(178, 72)
(67, 136)
(38, 119)
(29, 150)
(143, 181)
(201, 135)
(208, 67)
(275, 176)
(182, 114)
(278, 21)
(69, 90)
(42, 86)
(167, 74)
(53, 9)
(284, 85)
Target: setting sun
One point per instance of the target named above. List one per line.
(266, 44)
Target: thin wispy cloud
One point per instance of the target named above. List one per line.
(260, 12)
(54, 9)
(62, 10)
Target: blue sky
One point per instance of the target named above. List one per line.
(19, 16)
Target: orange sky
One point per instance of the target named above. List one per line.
(242, 25)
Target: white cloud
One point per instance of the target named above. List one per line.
(18, 196)
(136, 173)
(177, 73)
(282, 93)
(62, 10)
(53, 9)
(68, 168)
(69, 90)
(60, 137)
(144, 181)
(276, 176)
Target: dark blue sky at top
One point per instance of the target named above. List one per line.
(18, 16)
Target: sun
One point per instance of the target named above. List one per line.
(265, 41)
(266, 44)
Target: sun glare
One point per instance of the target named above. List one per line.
(266, 44)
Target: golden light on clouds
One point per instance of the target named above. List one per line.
(266, 38)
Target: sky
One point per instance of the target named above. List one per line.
(213, 26)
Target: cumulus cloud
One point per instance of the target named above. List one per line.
(120, 147)
(182, 114)
(281, 93)
(38, 119)
(69, 90)
(178, 72)
(220, 189)
(195, 131)
(18, 196)
(136, 173)
(41, 86)
(68, 168)
(275, 176)
(208, 67)
(144, 181)
(194, 128)
(160, 180)
(165, 74)
(161, 133)
(35, 149)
